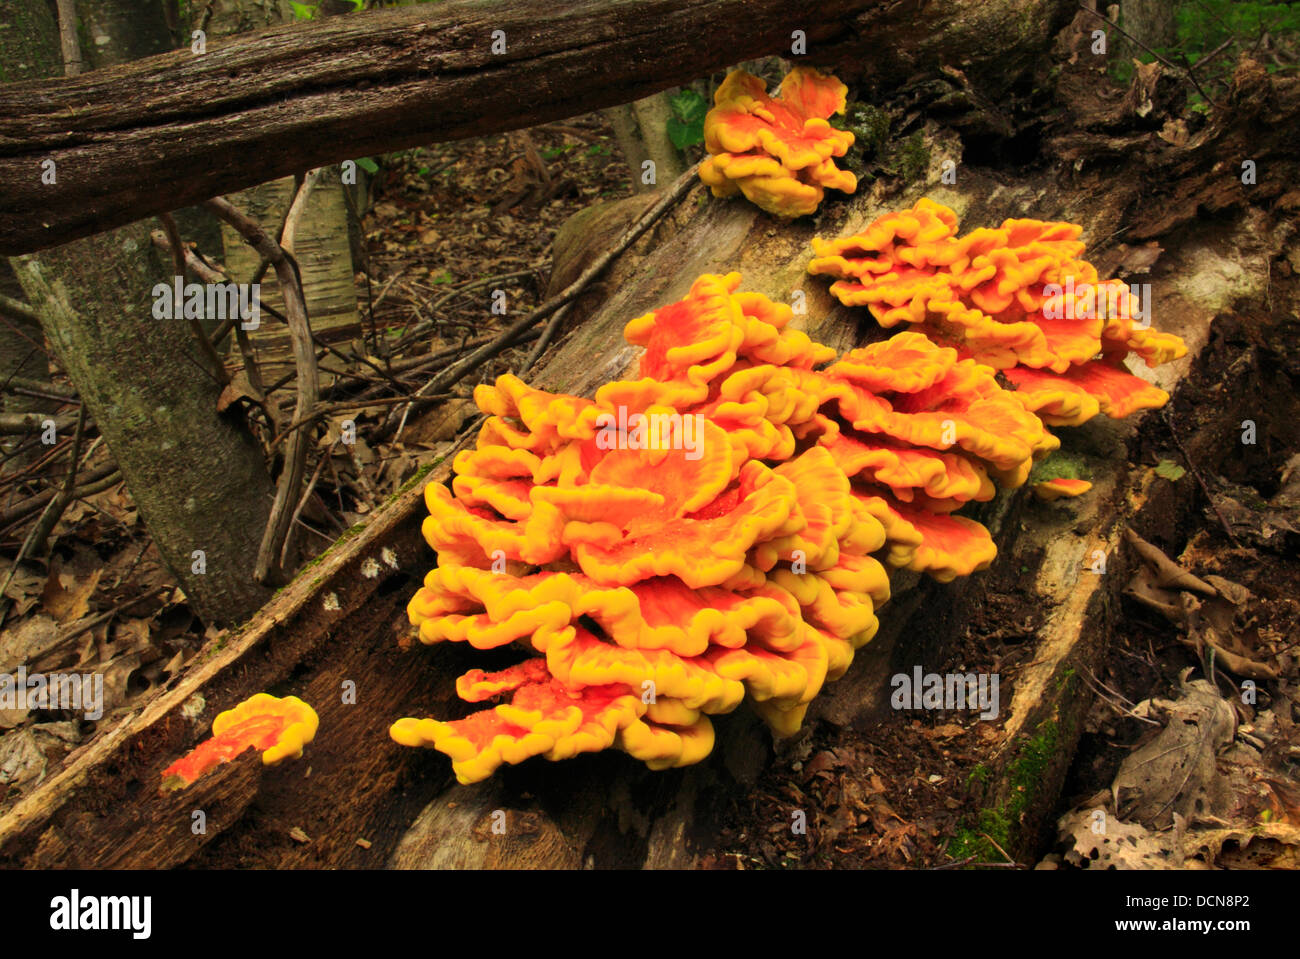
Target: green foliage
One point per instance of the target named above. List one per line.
(995, 826)
(1170, 470)
(1218, 32)
(913, 157)
(369, 165)
(308, 11)
(868, 124)
(686, 125)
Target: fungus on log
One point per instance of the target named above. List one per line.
(706, 532)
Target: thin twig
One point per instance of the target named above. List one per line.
(1227, 527)
(18, 309)
(424, 326)
(480, 356)
(178, 265)
(325, 409)
(295, 307)
(306, 495)
(40, 532)
(544, 340)
(1171, 65)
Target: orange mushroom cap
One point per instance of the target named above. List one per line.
(777, 151)
(1061, 487)
(278, 727)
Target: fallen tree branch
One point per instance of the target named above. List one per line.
(94, 481)
(171, 130)
(14, 424)
(295, 457)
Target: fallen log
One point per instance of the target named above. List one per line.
(86, 154)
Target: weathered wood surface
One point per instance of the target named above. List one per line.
(168, 131)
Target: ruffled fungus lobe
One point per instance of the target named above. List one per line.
(1060, 488)
(779, 152)
(1019, 299)
(278, 727)
(734, 548)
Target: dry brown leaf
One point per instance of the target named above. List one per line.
(66, 596)
(1176, 771)
(28, 640)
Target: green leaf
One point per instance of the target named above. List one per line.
(684, 135)
(1170, 470)
(686, 125)
(303, 11)
(688, 106)
(369, 165)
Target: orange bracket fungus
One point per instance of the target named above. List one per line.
(778, 151)
(721, 528)
(278, 727)
(1060, 488)
(1019, 299)
(656, 577)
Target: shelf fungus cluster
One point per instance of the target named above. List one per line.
(1019, 299)
(719, 528)
(778, 151)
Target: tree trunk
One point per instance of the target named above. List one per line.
(29, 37)
(114, 32)
(179, 128)
(1149, 25)
(641, 128)
(199, 479)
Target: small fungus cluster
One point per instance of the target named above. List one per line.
(778, 151)
(721, 527)
(278, 727)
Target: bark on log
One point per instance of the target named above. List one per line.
(178, 128)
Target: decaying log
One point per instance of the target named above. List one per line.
(172, 130)
(343, 619)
